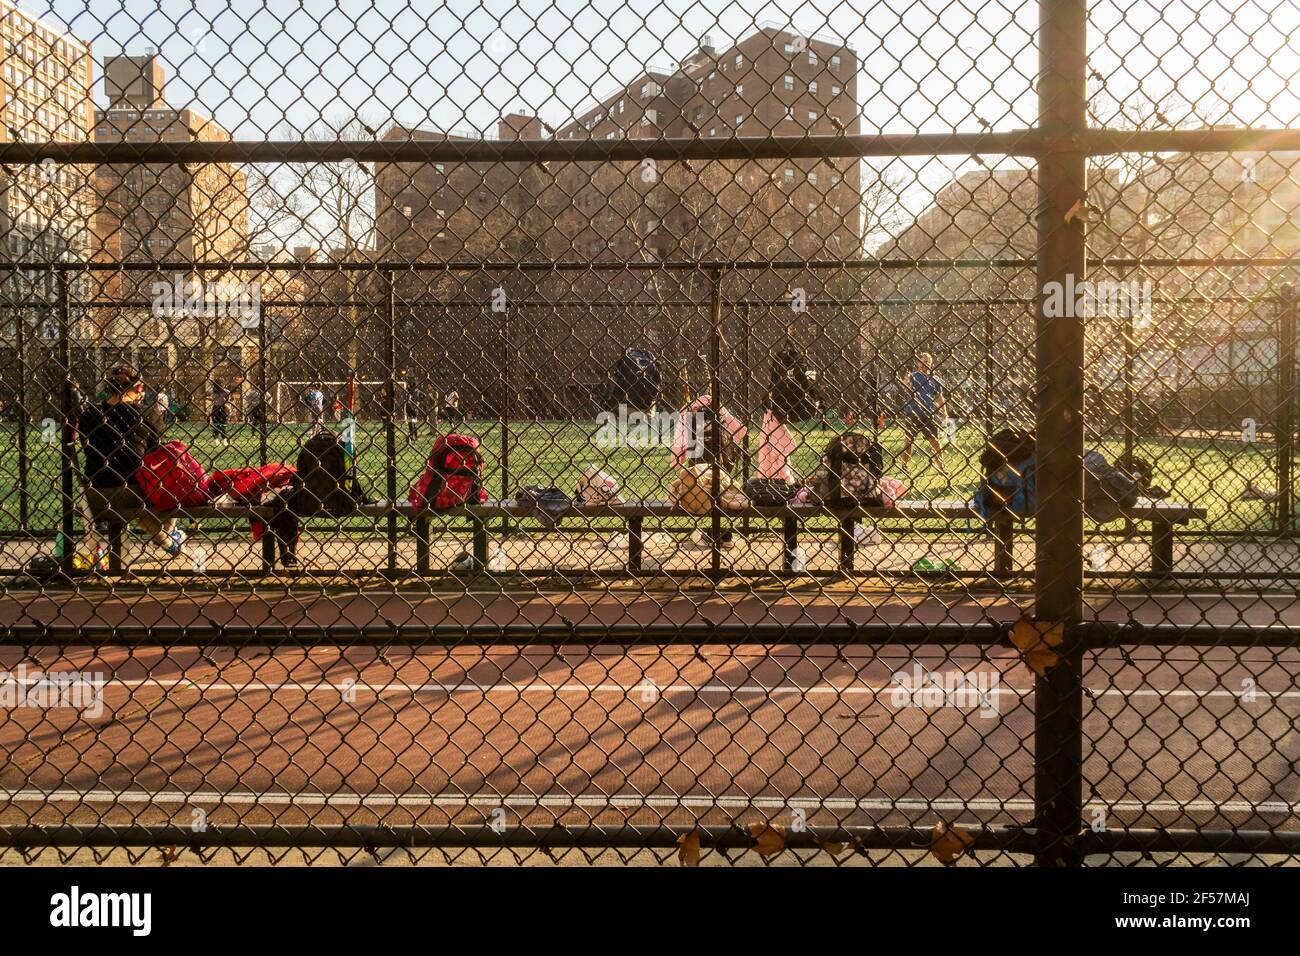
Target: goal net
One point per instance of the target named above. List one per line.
(289, 400)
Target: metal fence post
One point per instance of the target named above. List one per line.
(24, 421)
(745, 318)
(1286, 410)
(1058, 565)
(390, 414)
(988, 372)
(67, 438)
(715, 433)
(262, 437)
(505, 412)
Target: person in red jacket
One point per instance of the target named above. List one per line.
(116, 434)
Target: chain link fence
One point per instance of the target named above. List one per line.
(814, 437)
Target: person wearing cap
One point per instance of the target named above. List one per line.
(116, 434)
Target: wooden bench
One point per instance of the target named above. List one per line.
(1161, 515)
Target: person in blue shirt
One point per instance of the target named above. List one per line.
(924, 407)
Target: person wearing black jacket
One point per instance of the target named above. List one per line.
(116, 434)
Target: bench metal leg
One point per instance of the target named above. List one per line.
(848, 544)
(479, 527)
(790, 541)
(635, 543)
(422, 544)
(268, 547)
(1003, 531)
(115, 533)
(1162, 547)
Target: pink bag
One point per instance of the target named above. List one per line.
(891, 490)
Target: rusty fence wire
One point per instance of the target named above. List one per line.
(819, 436)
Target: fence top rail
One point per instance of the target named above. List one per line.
(685, 265)
(1032, 143)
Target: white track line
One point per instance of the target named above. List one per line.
(641, 688)
(616, 802)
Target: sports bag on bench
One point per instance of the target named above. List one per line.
(248, 485)
(170, 477)
(1007, 479)
(452, 477)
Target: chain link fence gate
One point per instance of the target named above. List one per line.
(955, 519)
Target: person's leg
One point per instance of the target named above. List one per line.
(908, 439)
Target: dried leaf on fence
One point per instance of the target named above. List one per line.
(769, 838)
(688, 848)
(948, 843)
(1036, 641)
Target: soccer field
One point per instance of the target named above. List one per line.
(1210, 473)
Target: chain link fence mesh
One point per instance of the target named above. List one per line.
(877, 433)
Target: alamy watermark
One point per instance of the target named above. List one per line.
(930, 690)
(190, 299)
(1085, 299)
(35, 689)
(635, 429)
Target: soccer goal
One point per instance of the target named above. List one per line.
(290, 403)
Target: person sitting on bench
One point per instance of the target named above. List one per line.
(116, 434)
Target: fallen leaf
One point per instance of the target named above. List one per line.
(948, 843)
(834, 849)
(1036, 641)
(688, 848)
(769, 838)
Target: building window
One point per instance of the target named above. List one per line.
(740, 61)
(650, 88)
(835, 63)
(713, 131)
(812, 116)
(812, 178)
(835, 91)
(789, 84)
(620, 106)
(789, 112)
(740, 89)
(812, 57)
(651, 116)
(812, 87)
(740, 120)
(788, 175)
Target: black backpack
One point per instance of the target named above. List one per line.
(854, 465)
(1007, 474)
(324, 483)
(636, 379)
(794, 396)
(1108, 490)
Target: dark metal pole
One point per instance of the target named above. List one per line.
(390, 415)
(67, 438)
(505, 413)
(1058, 568)
(1130, 401)
(24, 420)
(262, 438)
(988, 372)
(1286, 407)
(715, 434)
(746, 318)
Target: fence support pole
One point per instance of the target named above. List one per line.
(24, 421)
(1286, 417)
(505, 413)
(1058, 566)
(988, 372)
(67, 439)
(749, 405)
(262, 438)
(390, 415)
(715, 433)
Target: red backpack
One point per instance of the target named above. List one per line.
(247, 485)
(453, 476)
(171, 478)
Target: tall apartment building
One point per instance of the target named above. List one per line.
(175, 212)
(46, 210)
(771, 82)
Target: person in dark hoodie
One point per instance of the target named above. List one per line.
(116, 434)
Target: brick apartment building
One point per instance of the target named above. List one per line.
(771, 82)
(162, 212)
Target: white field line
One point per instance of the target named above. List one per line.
(615, 802)
(643, 688)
